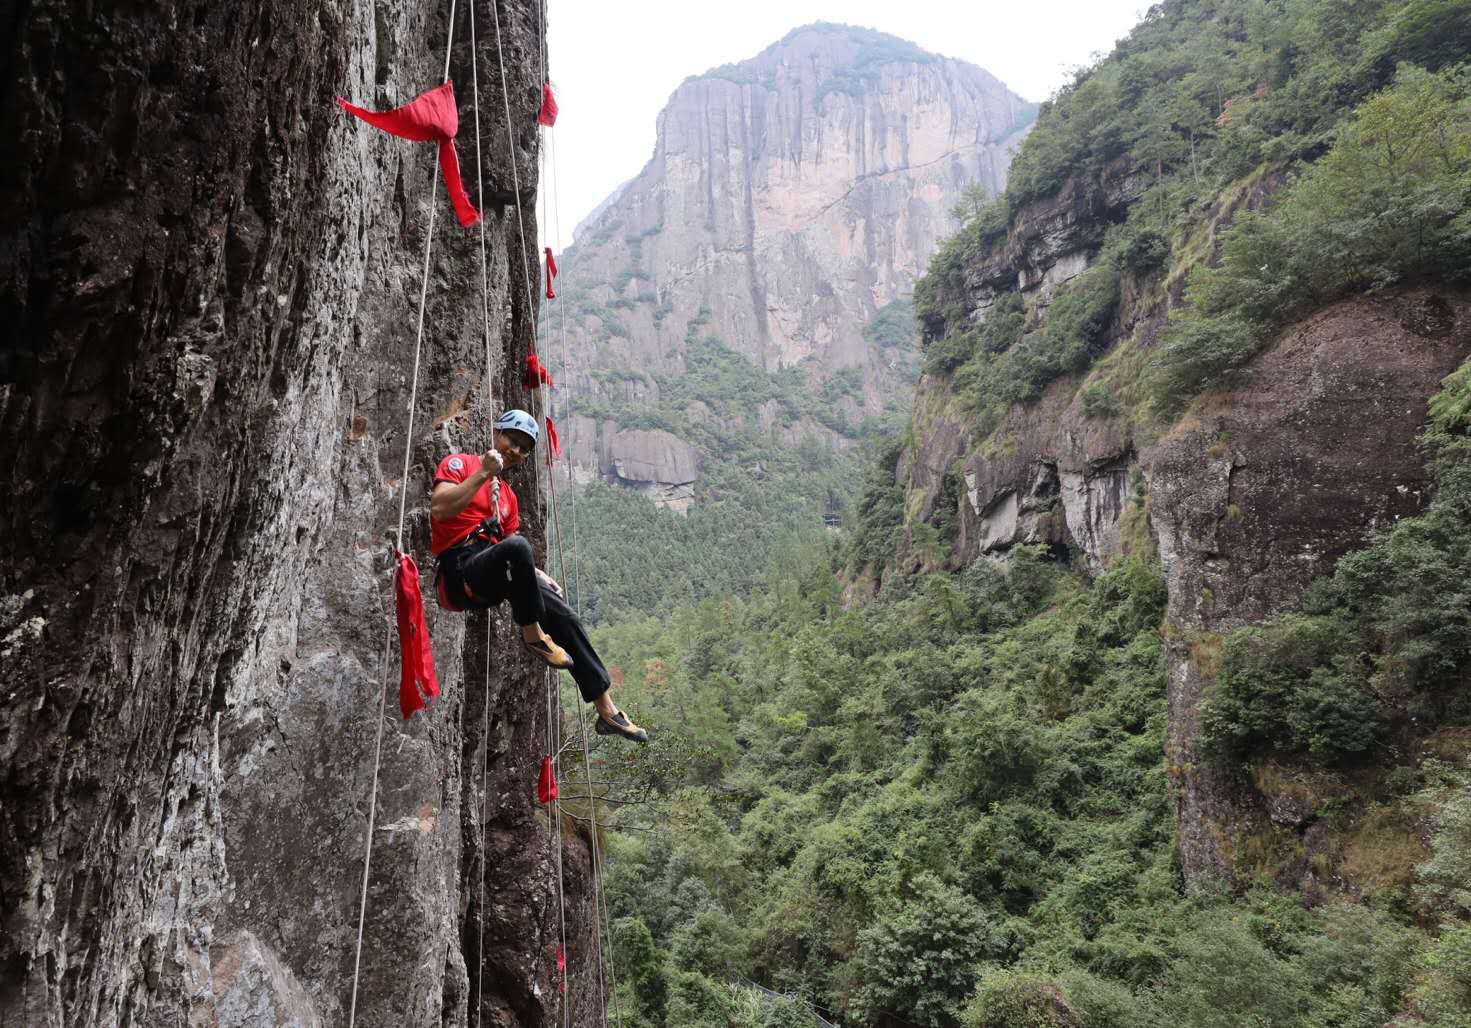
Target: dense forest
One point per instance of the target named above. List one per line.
(949, 803)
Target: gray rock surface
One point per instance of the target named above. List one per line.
(207, 268)
(654, 462)
(1250, 495)
(789, 198)
(1255, 493)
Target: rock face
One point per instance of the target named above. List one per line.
(789, 198)
(1053, 240)
(205, 268)
(1058, 477)
(1256, 493)
(1248, 497)
(1251, 494)
(654, 461)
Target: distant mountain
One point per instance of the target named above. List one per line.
(791, 202)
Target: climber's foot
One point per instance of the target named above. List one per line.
(618, 724)
(548, 651)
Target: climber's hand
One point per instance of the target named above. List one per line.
(549, 581)
(492, 463)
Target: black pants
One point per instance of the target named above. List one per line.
(507, 571)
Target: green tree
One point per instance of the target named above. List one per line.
(919, 959)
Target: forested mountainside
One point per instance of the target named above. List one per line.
(205, 376)
(1137, 688)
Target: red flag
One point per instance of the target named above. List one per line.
(548, 114)
(562, 969)
(536, 375)
(431, 116)
(551, 274)
(546, 785)
(554, 444)
(416, 652)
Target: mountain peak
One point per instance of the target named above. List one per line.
(845, 49)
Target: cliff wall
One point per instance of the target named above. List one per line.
(1247, 497)
(789, 199)
(206, 270)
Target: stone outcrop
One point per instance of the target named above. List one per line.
(789, 198)
(1251, 495)
(1051, 242)
(654, 461)
(1054, 476)
(204, 269)
(1256, 492)
(1247, 497)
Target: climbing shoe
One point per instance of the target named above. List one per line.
(550, 652)
(620, 725)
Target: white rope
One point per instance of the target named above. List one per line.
(423, 300)
(554, 697)
(561, 547)
(515, 173)
(561, 903)
(484, 810)
(530, 306)
(357, 960)
(480, 195)
(592, 808)
(603, 929)
(495, 508)
(402, 508)
(564, 350)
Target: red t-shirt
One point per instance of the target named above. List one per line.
(456, 468)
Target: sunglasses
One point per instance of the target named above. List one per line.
(518, 442)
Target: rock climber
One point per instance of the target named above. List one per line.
(481, 561)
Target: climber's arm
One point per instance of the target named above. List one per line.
(450, 498)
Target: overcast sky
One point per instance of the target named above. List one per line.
(615, 62)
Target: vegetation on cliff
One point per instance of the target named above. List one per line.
(1359, 110)
(949, 806)
(1389, 203)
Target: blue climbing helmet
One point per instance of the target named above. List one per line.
(520, 421)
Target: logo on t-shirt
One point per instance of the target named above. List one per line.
(456, 464)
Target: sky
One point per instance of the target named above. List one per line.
(615, 62)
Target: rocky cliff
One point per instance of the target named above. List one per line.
(789, 199)
(1247, 496)
(204, 384)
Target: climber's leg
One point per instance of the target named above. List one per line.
(567, 632)
(505, 571)
(565, 628)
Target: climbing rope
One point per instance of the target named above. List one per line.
(423, 300)
(600, 912)
(372, 818)
(495, 499)
(402, 509)
(600, 902)
(530, 306)
(564, 350)
(484, 812)
(555, 712)
(515, 173)
(592, 809)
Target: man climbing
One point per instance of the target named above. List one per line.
(474, 515)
